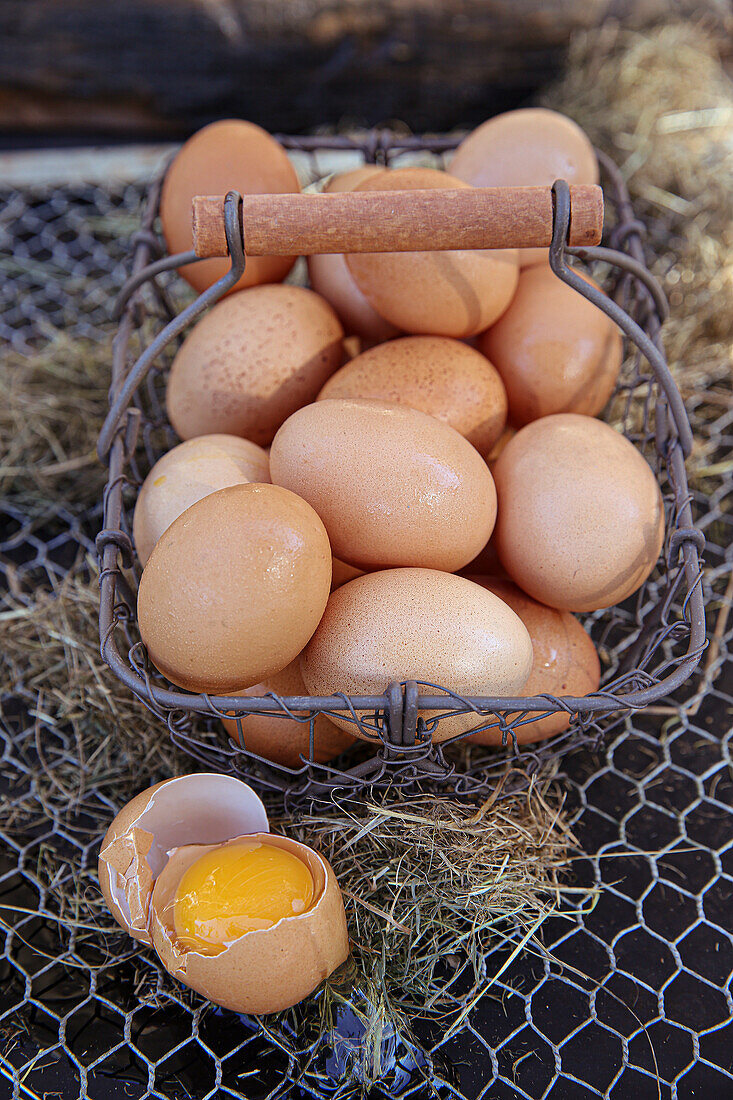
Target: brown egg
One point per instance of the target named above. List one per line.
(418, 624)
(229, 155)
(187, 473)
(392, 485)
(564, 662)
(283, 740)
(206, 807)
(330, 276)
(581, 518)
(530, 147)
(434, 374)
(555, 350)
(443, 293)
(252, 361)
(157, 837)
(234, 588)
(265, 970)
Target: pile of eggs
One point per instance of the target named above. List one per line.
(435, 507)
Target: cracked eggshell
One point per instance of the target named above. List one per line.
(265, 970)
(204, 807)
(450, 293)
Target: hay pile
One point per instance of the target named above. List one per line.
(432, 886)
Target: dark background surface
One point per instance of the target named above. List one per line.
(157, 68)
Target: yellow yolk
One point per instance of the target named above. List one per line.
(237, 889)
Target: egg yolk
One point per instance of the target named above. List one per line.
(237, 889)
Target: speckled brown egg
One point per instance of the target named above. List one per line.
(530, 147)
(418, 624)
(252, 361)
(564, 660)
(187, 473)
(284, 740)
(555, 350)
(581, 518)
(435, 374)
(234, 588)
(330, 276)
(227, 155)
(392, 485)
(442, 293)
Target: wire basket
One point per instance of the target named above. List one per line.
(649, 645)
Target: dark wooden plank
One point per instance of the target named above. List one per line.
(168, 66)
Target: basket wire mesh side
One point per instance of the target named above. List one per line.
(652, 962)
(650, 645)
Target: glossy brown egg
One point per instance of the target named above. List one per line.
(252, 361)
(234, 588)
(418, 624)
(392, 485)
(227, 155)
(187, 473)
(581, 518)
(284, 740)
(330, 276)
(442, 293)
(564, 660)
(434, 374)
(530, 147)
(555, 350)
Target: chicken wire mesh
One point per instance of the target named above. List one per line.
(631, 999)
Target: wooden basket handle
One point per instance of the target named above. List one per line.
(397, 221)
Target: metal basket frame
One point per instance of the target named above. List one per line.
(393, 719)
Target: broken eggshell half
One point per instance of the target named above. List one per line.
(267, 969)
(203, 808)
